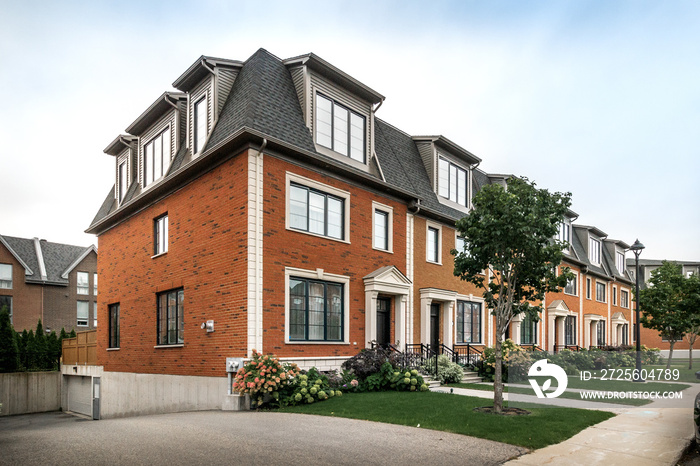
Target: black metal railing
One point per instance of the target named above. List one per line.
(467, 355)
(558, 348)
(532, 348)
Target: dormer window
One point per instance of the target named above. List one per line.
(200, 124)
(452, 182)
(122, 180)
(620, 261)
(594, 251)
(564, 232)
(157, 156)
(340, 129)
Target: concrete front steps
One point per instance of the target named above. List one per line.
(469, 377)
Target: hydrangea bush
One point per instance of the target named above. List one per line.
(264, 375)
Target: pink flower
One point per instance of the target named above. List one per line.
(274, 370)
(257, 380)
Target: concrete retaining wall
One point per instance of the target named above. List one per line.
(30, 392)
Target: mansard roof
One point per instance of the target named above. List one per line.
(199, 69)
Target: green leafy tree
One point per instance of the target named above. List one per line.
(42, 348)
(510, 233)
(53, 342)
(9, 353)
(31, 353)
(671, 304)
(22, 339)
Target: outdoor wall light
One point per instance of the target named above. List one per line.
(208, 326)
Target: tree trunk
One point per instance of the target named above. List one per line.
(498, 378)
(690, 355)
(670, 353)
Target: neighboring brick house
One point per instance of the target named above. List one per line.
(264, 206)
(650, 337)
(54, 282)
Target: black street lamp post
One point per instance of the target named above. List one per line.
(636, 248)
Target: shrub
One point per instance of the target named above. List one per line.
(264, 375)
(368, 362)
(309, 388)
(447, 371)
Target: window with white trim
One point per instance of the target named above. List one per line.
(620, 262)
(433, 245)
(171, 317)
(625, 299)
(570, 330)
(160, 235)
(468, 322)
(564, 232)
(94, 284)
(588, 288)
(528, 330)
(200, 124)
(316, 310)
(600, 291)
(83, 285)
(380, 229)
(340, 129)
(156, 155)
(614, 296)
(94, 314)
(600, 332)
(316, 212)
(459, 244)
(123, 180)
(452, 182)
(571, 287)
(83, 317)
(6, 276)
(594, 251)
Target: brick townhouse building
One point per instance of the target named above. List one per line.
(263, 205)
(54, 282)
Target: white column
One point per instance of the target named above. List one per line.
(552, 322)
(370, 317)
(515, 331)
(448, 323)
(561, 331)
(400, 311)
(425, 320)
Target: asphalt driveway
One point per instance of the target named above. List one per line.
(235, 438)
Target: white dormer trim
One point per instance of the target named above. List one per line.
(40, 259)
(440, 154)
(27, 270)
(77, 261)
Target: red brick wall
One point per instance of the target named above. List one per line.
(206, 256)
(26, 298)
(290, 248)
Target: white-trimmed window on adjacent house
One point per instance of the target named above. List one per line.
(316, 310)
(156, 155)
(468, 322)
(94, 284)
(625, 299)
(620, 262)
(83, 283)
(528, 331)
(316, 212)
(200, 124)
(614, 295)
(340, 129)
(600, 292)
(160, 235)
(114, 325)
(171, 317)
(83, 318)
(571, 287)
(382, 227)
(588, 288)
(433, 244)
(94, 314)
(6, 276)
(594, 251)
(123, 180)
(6, 302)
(453, 182)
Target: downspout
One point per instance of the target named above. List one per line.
(372, 138)
(414, 204)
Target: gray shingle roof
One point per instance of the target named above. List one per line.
(57, 257)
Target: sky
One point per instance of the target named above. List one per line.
(597, 98)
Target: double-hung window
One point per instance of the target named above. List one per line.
(114, 325)
(452, 182)
(156, 155)
(381, 230)
(171, 314)
(624, 299)
(528, 331)
(340, 129)
(600, 292)
(83, 313)
(620, 262)
(122, 180)
(564, 232)
(83, 285)
(200, 124)
(433, 245)
(6, 276)
(316, 310)
(468, 322)
(160, 235)
(594, 251)
(571, 286)
(316, 212)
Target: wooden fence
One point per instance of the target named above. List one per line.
(81, 350)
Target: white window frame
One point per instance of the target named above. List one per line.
(83, 321)
(161, 226)
(165, 158)
(94, 283)
(198, 138)
(389, 211)
(614, 295)
(318, 274)
(482, 318)
(292, 178)
(605, 292)
(576, 283)
(438, 227)
(594, 250)
(565, 231)
(336, 103)
(589, 291)
(123, 178)
(622, 304)
(94, 314)
(440, 186)
(620, 262)
(82, 286)
(6, 276)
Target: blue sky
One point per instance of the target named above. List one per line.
(598, 98)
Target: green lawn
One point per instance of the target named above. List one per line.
(454, 413)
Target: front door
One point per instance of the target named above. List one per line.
(434, 326)
(383, 321)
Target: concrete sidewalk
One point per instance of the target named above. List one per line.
(646, 435)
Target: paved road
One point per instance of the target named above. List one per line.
(235, 438)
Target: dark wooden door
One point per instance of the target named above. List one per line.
(383, 321)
